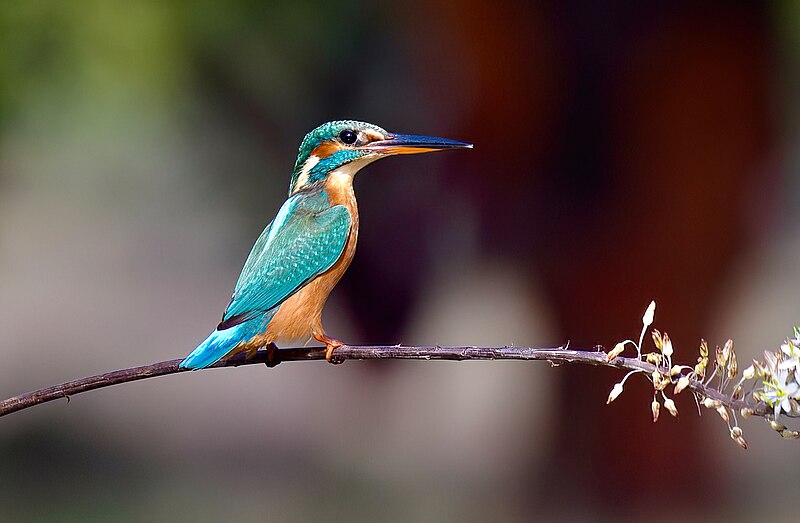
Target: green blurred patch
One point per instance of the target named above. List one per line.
(48, 472)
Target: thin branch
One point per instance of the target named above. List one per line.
(347, 352)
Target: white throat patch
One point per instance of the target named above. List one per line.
(302, 178)
(343, 176)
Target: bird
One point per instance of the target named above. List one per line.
(304, 251)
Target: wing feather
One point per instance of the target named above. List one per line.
(307, 237)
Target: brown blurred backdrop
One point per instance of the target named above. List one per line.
(623, 152)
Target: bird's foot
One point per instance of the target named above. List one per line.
(247, 352)
(330, 346)
(273, 358)
(251, 351)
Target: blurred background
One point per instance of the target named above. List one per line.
(623, 152)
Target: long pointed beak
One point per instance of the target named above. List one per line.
(413, 144)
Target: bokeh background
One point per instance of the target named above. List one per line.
(624, 151)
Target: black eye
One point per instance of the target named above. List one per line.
(348, 137)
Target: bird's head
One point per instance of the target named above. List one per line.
(345, 146)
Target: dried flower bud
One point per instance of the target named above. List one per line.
(656, 378)
(655, 408)
(700, 369)
(736, 435)
(654, 358)
(657, 340)
(790, 434)
(778, 427)
(659, 381)
(722, 360)
(683, 382)
(733, 366)
(737, 392)
(667, 346)
(727, 350)
(703, 349)
(746, 412)
(723, 413)
(675, 370)
(749, 373)
(616, 351)
(670, 406)
(649, 314)
(709, 403)
(771, 361)
(615, 392)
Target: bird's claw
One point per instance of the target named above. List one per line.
(330, 346)
(330, 356)
(273, 357)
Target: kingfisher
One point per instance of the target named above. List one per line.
(305, 250)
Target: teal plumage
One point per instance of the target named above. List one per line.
(302, 253)
(221, 342)
(306, 242)
(306, 238)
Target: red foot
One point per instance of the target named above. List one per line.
(330, 346)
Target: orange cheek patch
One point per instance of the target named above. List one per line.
(324, 150)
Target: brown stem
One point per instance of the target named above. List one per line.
(364, 352)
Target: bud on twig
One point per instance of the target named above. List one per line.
(615, 392)
(670, 406)
(778, 427)
(736, 435)
(649, 314)
(616, 351)
(666, 347)
(733, 367)
(654, 358)
(658, 341)
(683, 382)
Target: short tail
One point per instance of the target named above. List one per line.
(218, 344)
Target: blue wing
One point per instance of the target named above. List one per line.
(303, 241)
(306, 238)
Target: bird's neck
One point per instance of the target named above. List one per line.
(339, 184)
(339, 187)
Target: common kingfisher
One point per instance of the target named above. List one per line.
(304, 251)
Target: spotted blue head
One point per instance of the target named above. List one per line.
(348, 145)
